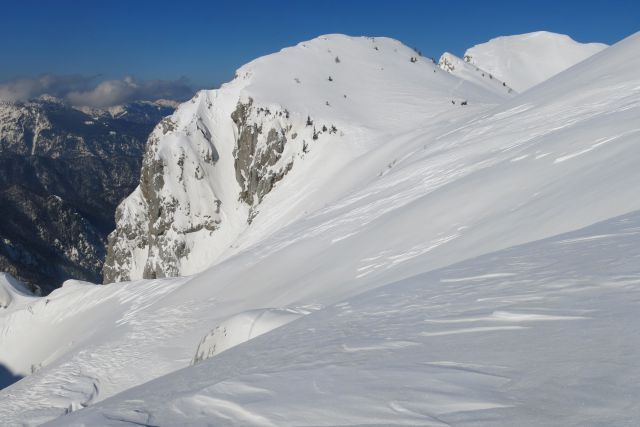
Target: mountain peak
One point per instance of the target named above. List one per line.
(525, 60)
(224, 151)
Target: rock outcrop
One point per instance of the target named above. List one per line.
(257, 152)
(187, 198)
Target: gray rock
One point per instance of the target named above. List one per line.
(148, 241)
(252, 165)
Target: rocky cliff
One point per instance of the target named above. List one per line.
(189, 197)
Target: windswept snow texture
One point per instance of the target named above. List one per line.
(536, 333)
(306, 111)
(510, 338)
(525, 60)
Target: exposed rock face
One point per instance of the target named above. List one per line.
(255, 154)
(186, 200)
(62, 173)
(156, 221)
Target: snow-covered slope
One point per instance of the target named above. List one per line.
(311, 108)
(466, 71)
(525, 60)
(419, 194)
(12, 292)
(510, 338)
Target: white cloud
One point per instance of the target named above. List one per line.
(83, 90)
(24, 88)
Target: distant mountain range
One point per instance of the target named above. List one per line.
(63, 170)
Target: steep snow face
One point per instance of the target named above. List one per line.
(525, 60)
(312, 107)
(466, 71)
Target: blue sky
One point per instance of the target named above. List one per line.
(205, 41)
